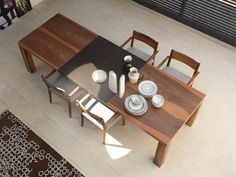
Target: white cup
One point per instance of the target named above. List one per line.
(133, 69)
(136, 100)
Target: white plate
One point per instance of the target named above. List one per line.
(99, 76)
(136, 110)
(147, 88)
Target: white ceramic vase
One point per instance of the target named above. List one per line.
(133, 75)
(122, 86)
(112, 83)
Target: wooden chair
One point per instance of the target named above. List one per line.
(98, 113)
(62, 87)
(175, 72)
(146, 40)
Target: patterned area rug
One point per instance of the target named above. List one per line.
(24, 154)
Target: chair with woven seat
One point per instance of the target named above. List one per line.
(98, 113)
(138, 52)
(175, 55)
(62, 87)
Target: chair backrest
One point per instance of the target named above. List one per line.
(49, 85)
(95, 108)
(184, 59)
(145, 39)
(86, 103)
(81, 103)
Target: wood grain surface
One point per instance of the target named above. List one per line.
(55, 42)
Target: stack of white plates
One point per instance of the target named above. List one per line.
(147, 88)
(136, 105)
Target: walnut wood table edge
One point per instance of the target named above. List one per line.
(162, 146)
(126, 115)
(52, 60)
(28, 59)
(163, 141)
(59, 14)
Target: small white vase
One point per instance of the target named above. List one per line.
(133, 75)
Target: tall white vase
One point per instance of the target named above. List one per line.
(122, 86)
(112, 83)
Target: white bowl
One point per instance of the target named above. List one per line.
(157, 101)
(128, 58)
(99, 76)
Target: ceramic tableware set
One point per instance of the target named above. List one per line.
(135, 104)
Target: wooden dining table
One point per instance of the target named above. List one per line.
(86, 52)
(55, 42)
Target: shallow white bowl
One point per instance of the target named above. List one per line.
(158, 101)
(99, 76)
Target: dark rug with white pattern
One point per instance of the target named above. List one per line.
(24, 154)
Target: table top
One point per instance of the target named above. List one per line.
(57, 40)
(98, 54)
(161, 123)
(180, 103)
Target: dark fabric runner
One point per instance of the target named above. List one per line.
(98, 54)
(24, 154)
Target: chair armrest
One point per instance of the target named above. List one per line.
(83, 99)
(163, 61)
(152, 57)
(59, 89)
(49, 85)
(94, 116)
(190, 82)
(126, 42)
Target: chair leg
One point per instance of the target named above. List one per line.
(50, 96)
(153, 61)
(123, 121)
(104, 135)
(82, 120)
(69, 107)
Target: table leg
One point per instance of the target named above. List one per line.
(160, 154)
(192, 118)
(29, 63)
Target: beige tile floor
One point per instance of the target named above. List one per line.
(206, 149)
